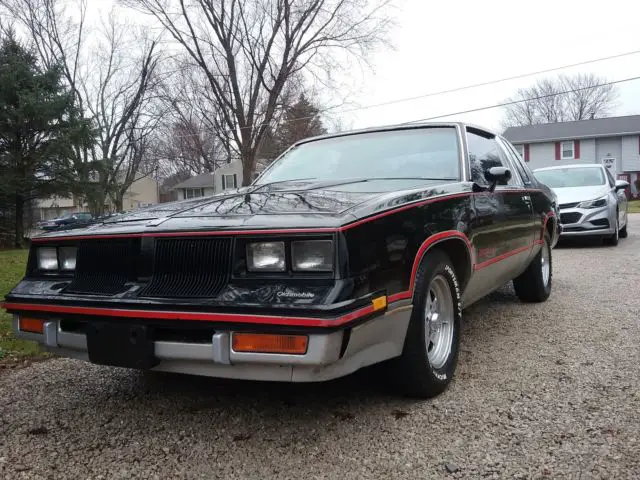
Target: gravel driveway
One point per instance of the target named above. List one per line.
(548, 390)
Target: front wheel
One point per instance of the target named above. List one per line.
(623, 231)
(615, 238)
(534, 284)
(430, 353)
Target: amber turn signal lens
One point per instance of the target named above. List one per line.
(379, 303)
(267, 343)
(31, 325)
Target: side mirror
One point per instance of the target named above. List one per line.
(496, 175)
(621, 185)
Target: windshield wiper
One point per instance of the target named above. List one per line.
(258, 187)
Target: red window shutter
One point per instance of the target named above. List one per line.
(557, 150)
(576, 149)
(526, 152)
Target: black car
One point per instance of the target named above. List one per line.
(69, 220)
(349, 250)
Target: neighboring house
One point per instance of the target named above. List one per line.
(613, 141)
(224, 178)
(142, 193)
(54, 207)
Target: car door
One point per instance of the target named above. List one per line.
(502, 228)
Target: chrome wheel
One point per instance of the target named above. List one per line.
(545, 263)
(439, 316)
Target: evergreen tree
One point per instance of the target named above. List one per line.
(300, 120)
(38, 130)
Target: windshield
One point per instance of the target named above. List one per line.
(571, 177)
(413, 153)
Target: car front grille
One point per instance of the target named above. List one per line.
(564, 206)
(190, 268)
(103, 267)
(571, 217)
(165, 267)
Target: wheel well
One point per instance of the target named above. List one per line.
(550, 226)
(458, 252)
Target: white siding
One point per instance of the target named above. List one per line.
(544, 154)
(610, 147)
(229, 169)
(587, 151)
(630, 154)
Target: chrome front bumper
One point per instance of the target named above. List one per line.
(587, 222)
(371, 342)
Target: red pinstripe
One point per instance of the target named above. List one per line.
(274, 320)
(283, 231)
(194, 316)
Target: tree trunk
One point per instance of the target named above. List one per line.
(117, 202)
(19, 228)
(248, 167)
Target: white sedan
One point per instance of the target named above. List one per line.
(591, 201)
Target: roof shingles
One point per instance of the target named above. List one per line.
(599, 127)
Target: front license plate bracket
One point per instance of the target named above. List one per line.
(128, 346)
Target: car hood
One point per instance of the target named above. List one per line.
(305, 205)
(580, 194)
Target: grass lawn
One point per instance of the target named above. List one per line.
(12, 266)
(634, 206)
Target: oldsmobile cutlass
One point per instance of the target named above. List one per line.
(349, 250)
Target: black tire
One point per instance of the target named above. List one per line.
(412, 373)
(615, 238)
(530, 285)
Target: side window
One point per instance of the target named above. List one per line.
(516, 160)
(484, 153)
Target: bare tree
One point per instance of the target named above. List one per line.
(248, 50)
(112, 72)
(118, 94)
(562, 99)
(190, 137)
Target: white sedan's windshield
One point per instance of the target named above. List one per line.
(412, 153)
(571, 177)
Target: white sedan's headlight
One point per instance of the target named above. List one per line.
(266, 257)
(312, 255)
(600, 202)
(68, 258)
(47, 258)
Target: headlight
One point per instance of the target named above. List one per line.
(266, 257)
(47, 258)
(68, 258)
(312, 255)
(600, 202)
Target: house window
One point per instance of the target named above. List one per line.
(566, 148)
(229, 181)
(193, 192)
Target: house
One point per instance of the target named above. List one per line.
(143, 192)
(54, 207)
(226, 177)
(613, 141)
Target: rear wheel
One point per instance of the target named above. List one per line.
(430, 353)
(534, 284)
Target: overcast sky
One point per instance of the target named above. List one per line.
(442, 45)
